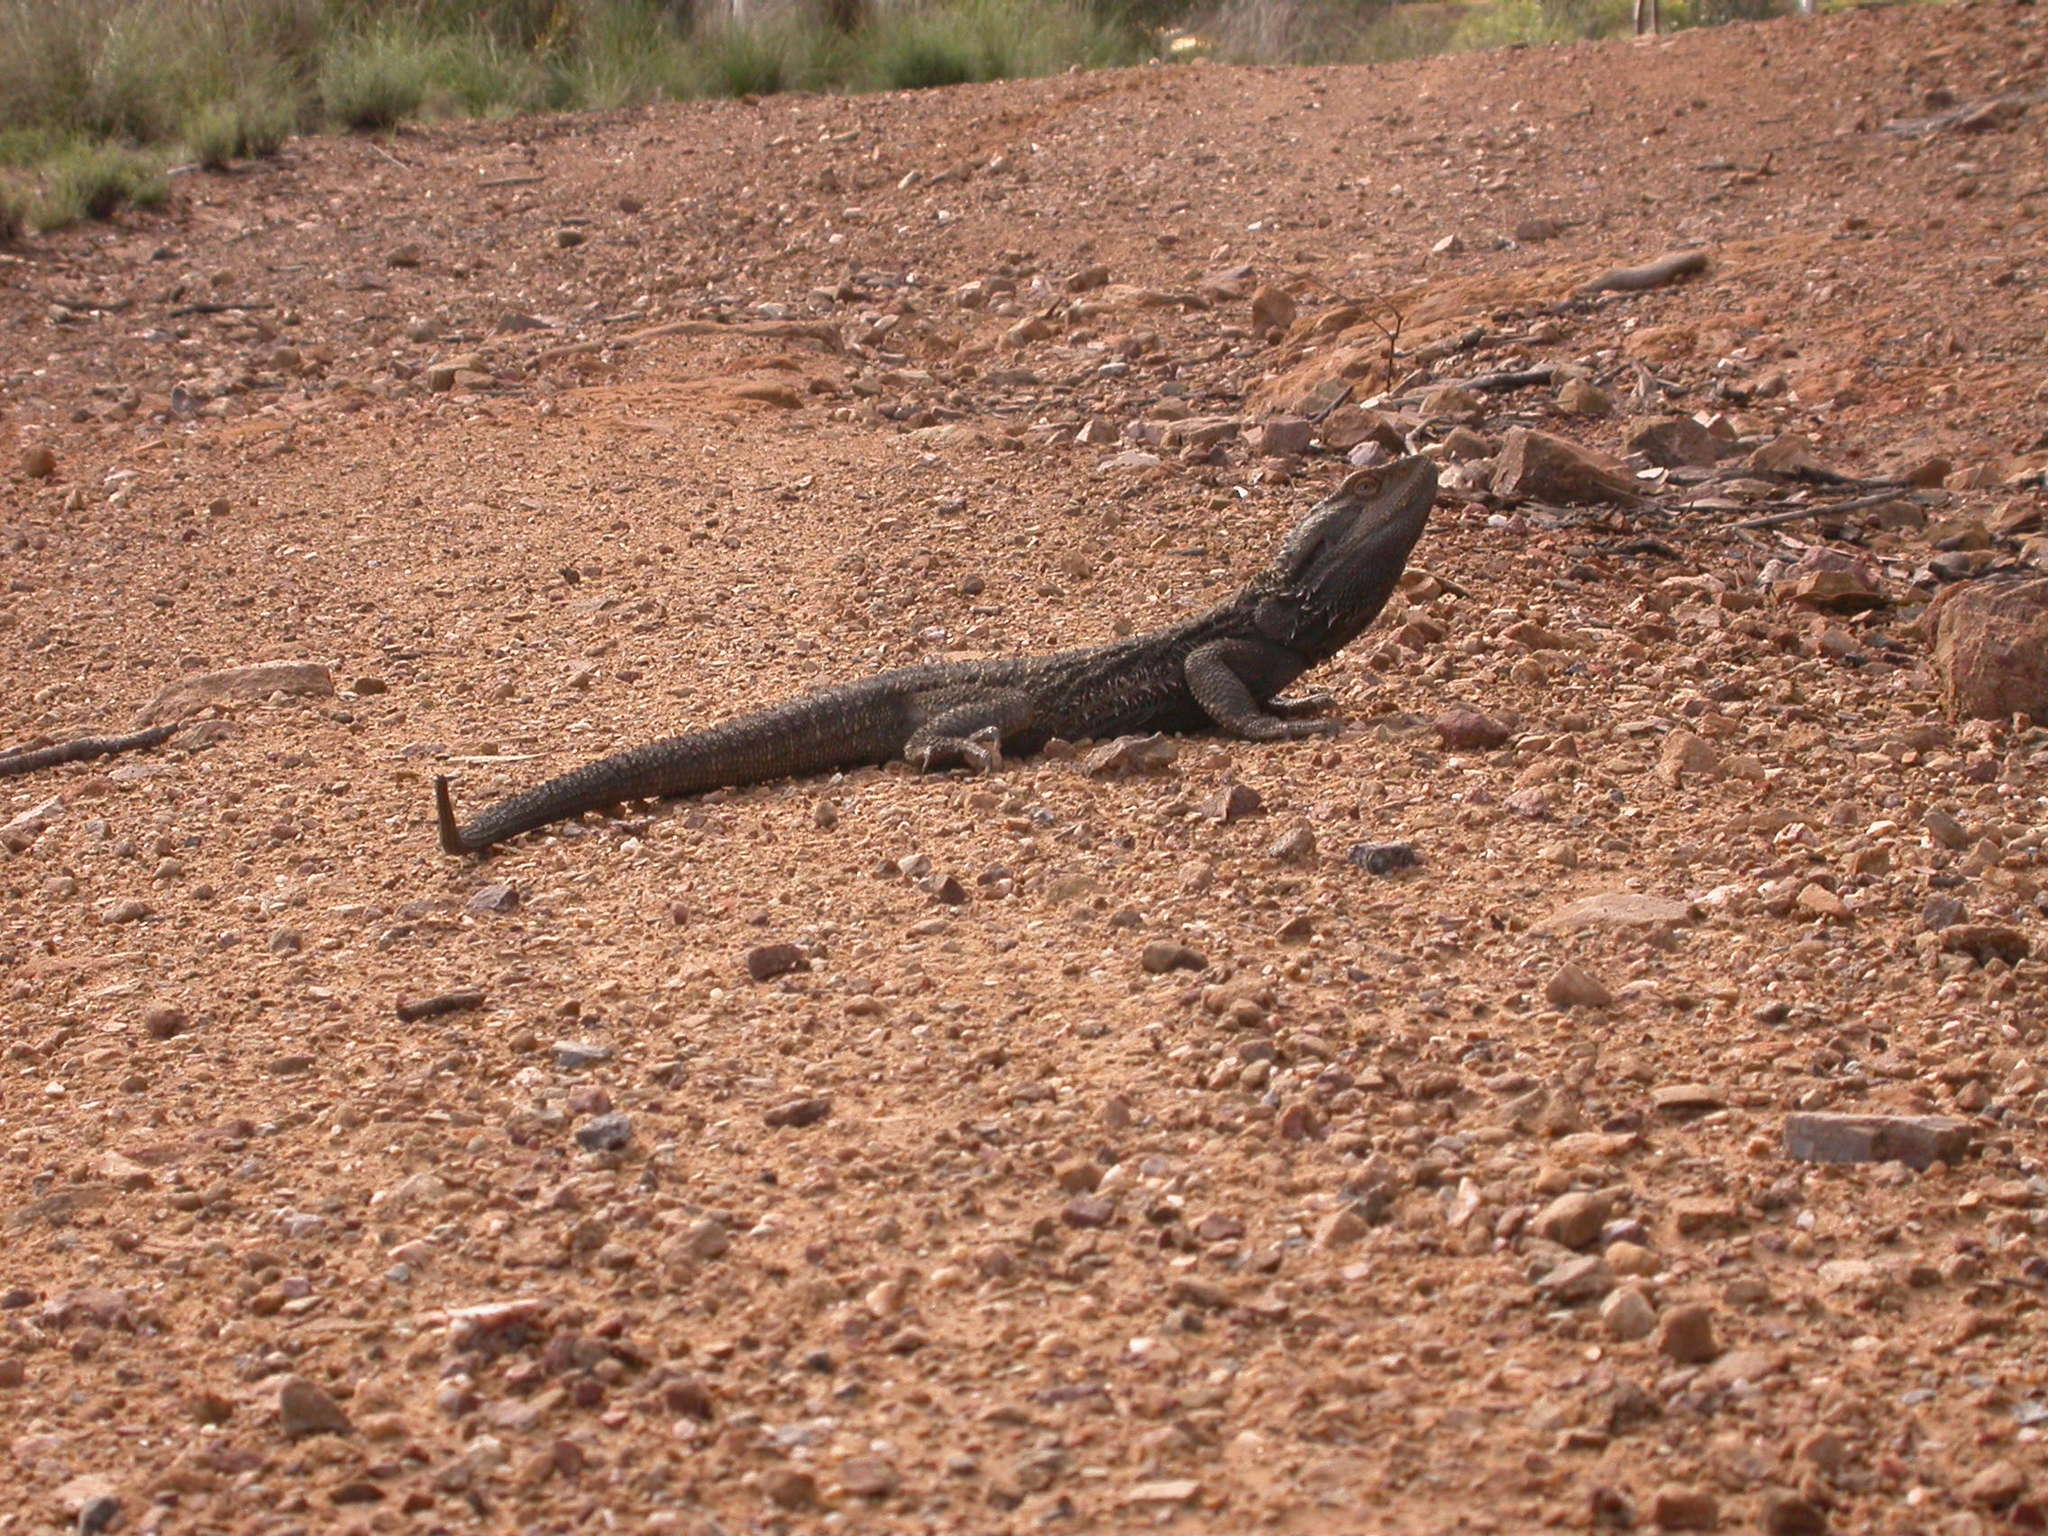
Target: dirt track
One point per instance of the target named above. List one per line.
(1278, 1244)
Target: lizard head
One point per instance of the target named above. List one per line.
(1340, 564)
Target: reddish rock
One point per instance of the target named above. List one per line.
(1915, 1140)
(1991, 649)
(1535, 466)
(1467, 730)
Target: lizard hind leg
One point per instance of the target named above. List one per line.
(969, 733)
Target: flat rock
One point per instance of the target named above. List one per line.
(1618, 909)
(1168, 1490)
(238, 685)
(1915, 1140)
(1687, 1099)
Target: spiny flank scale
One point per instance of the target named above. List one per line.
(1224, 668)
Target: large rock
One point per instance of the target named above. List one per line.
(238, 685)
(1675, 443)
(1915, 1140)
(1535, 466)
(1991, 649)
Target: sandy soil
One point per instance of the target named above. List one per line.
(1382, 1219)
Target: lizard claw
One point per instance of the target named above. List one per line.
(983, 750)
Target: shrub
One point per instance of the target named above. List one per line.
(375, 80)
(622, 53)
(735, 60)
(213, 134)
(15, 204)
(92, 180)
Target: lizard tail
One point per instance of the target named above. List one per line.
(444, 812)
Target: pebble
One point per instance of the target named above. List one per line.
(1787, 1514)
(1579, 397)
(1233, 802)
(605, 1133)
(1131, 754)
(1573, 986)
(1627, 1314)
(1985, 942)
(1996, 1486)
(306, 1408)
(1687, 1099)
(1341, 1228)
(868, 1477)
(1383, 858)
(1085, 1211)
(1273, 309)
(1633, 1259)
(1818, 901)
(39, 462)
(496, 897)
(1677, 1508)
(790, 1488)
(1467, 730)
(795, 1114)
(1686, 1335)
(1163, 955)
(575, 1055)
(1583, 1277)
(1573, 1220)
(162, 1021)
(767, 961)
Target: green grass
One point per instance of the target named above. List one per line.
(97, 95)
(93, 180)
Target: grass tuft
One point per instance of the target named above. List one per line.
(372, 81)
(16, 204)
(92, 180)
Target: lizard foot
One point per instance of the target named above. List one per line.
(1301, 704)
(982, 752)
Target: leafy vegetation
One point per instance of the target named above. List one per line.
(99, 97)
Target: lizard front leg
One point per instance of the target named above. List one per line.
(1215, 676)
(969, 731)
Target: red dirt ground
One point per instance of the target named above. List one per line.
(1288, 1243)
